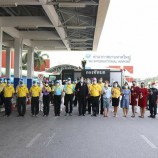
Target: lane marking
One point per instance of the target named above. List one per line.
(148, 142)
(33, 140)
(50, 139)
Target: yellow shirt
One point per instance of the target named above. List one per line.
(101, 84)
(116, 92)
(22, 91)
(35, 91)
(69, 88)
(95, 90)
(8, 91)
(2, 85)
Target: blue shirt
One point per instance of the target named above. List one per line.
(58, 90)
(107, 92)
(126, 93)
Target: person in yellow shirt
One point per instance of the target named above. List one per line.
(95, 93)
(22, 93)
(8, 95)
(46, 98)
(35, 91)
(2, 85)
(69, 94)
(101, 100)
(116, 92)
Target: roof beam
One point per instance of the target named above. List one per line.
(53, 16)
(101, 16)
(40, 35)
(25, 21)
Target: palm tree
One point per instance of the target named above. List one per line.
(38, 60)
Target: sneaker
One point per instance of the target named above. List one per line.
(70, 114)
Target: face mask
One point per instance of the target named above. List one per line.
(81, 80)
(106, 85)
(35, 84)
(115, 85)
(47, 84)
(69, 82)
(100, 81)
(8, 84)
(57, 84)
(22, 85)
(94, 82)
(126, 87)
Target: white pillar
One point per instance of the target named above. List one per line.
(30, 67)
(17, 60)
(8, 62)
(1, 40)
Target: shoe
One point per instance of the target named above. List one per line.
(153, 116)
(70, 114)
(44, 115)
(150, 116)
(83, 114)
(33, 115)
(66, 114)
(133, 116)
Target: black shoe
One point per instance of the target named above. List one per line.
(18, 115)
(83, 114)
(150, 116)
(79, 114)
(153, 116)
(70, 114)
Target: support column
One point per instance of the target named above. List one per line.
(1, 40)
(17, 60)
(30, 67)
(8, 62)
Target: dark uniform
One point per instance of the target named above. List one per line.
(82, 94)
(153, 95)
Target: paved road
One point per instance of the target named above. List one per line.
(78, 137)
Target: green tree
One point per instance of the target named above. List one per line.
(38, 60)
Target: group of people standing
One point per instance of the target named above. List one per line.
(90, 95)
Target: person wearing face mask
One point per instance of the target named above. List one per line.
(2, 85)
(115, 97)
(69, 94)
(22, 93)
(134, 97)
(153, 100)
(75, 96)
(88, 101)
(126, 99)
(35, 91)
(57, 98)
(101, 100)
(95, 93)
(8, 95)
(106, 91)
(82, 94)
(142, 102)
(46, 98)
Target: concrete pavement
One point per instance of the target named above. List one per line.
(78, 136)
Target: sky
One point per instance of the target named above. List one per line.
(130, 29)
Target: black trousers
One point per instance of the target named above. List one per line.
(82, 105)
(21, 105)
(153, 109)
(101, 105)
(46, 102)
(35, 105)
(75, 101)
(8, 105)
(95, 104)
(89, 104)
(68, 99)
(57, 104)
(1, 99)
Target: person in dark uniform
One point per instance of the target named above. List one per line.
(153, 100)
(2, 85)
(82, 94)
